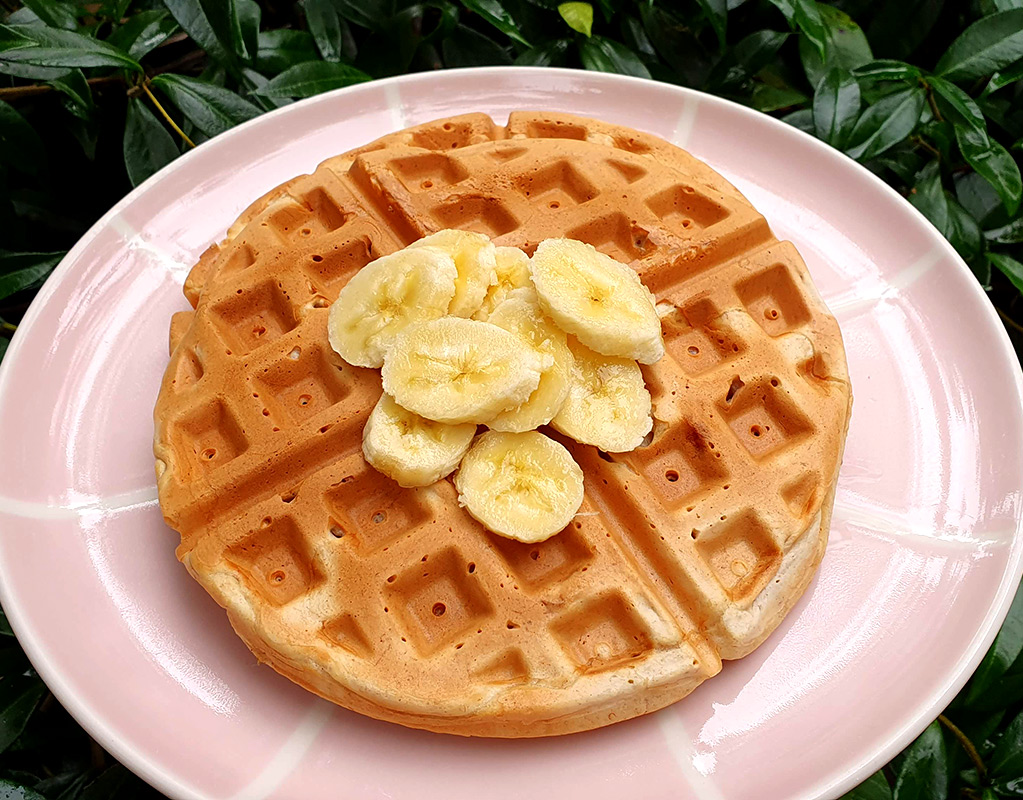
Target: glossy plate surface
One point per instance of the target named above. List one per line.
(925, 550)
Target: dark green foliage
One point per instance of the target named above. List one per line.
(927, 94)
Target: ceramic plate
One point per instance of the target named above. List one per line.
(925, 551)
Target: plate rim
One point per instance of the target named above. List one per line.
(92, 720)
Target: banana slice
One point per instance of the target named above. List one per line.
(608, 404)
(409, 449)
(476, 263)
(385, 297)
(524, 486)
(512, 274)
(521, 315)
(597, 299)
(459, 370)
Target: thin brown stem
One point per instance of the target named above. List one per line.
(17, 92)
(934, 105)
(166, 116)
(921, 142)
(7, 326)
(967, 745)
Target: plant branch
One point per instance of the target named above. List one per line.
(16, 92)
(967, 745)
(166, 116)
(920, 141)
(7, 326)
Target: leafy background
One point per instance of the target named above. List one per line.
(95, 96)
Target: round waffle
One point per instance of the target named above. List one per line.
(396, 603)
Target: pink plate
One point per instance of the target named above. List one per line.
(925, 550)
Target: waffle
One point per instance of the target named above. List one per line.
(394, 602)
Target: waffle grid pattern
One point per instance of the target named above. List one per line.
(394, 601)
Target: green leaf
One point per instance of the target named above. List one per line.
(49, 47)
(143, 32)
(802, 119)
(54, 13)
(312, 78)
(716, 12)
(20, 271)
(994, 163)
(768, 98)
(370, 14)
(807, 17)
(4, 344)
(1012, 270)
(76, 88)
(466, 47)
(957, 105)
(1006, 761)
(885, 69)
(223, 18)
(284, 48)
(836, 106)
(756, 51)
(845, 46)
(967, 238)
(552, 54)
(5, 626)
(988, 45)
(325, 26)
(249, 18)
(928, 197)
(873, 788)
(578, 16)
(1004, 77)
(1011, 233)
(493, 12)
(15, 791)
(148, 146)
(980, 199)
(192, 19)
(19, 697)
(606, 55)
(21, 148)
(922, 775)
(886, 123)
(212, 109)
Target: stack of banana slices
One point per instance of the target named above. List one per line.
(470, 334)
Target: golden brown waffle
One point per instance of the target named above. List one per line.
(394, 602)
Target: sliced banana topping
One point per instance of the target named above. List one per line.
(476, 262)
(521, 315)
(524, 486)
(512, 274)
(460, 370)
(608, 404)
(597, 299)
(385, 297)
(410, 449)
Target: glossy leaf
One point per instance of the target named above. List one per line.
(311, 78)
(467, 47)
(48, 47)
(76, 88)
(1006, 648)
(19, 271)
(249, 18)
(873, 788)
(190, 16)
(967, 238)
(20, 146)
(9, 790)
(836, 107)
(957, 105)
(1006, 761)
(54, 13)
(802, 119)
(768, 98)
(985, 47)
(606, 55)
(19, 695)
(886, 123)
(494, 13)
(887, 70)
(366, 13)
(845, 46)
(1005, 77)
(1010, 233)
(759, 49)
(980, 199)
(143, 32)
(213, 109)
(578, 16)
(922, 775)
(148, 146)
(1013, 270)
(225, 21)
(325, 26)
(284, 48)
(716, 12)
(993, 162)
(807, 17)
(551, 54)
(929, 198)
